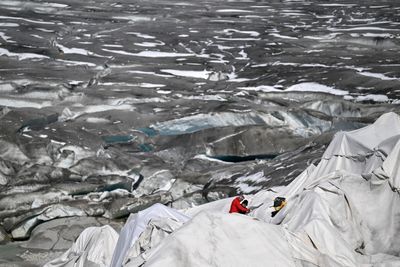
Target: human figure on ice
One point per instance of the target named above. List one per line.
(279, 203)
(238, 205)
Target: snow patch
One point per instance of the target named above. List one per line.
(133, 18)
(378, 75)
(372, 97)
(283, 36)
(315, 87)
(262, 88)
(21, 56)
(8, 24)
(142, 35)
(204, 74)
(233, 11)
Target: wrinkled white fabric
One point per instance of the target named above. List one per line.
(155, 232)
(352, 151)
(94, 247)
(221, 239)
(134, 227)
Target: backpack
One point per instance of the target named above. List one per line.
(279, 203)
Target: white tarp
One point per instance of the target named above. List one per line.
(220, 239)
(94, 247)
(360, 151)
(155, 232)
(103, 247)
(333, 223)
(390, 168)
(137, 224)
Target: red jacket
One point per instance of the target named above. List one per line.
(237, 207)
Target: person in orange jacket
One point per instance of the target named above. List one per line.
(237, 207)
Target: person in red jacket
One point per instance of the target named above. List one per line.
(237, 207)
